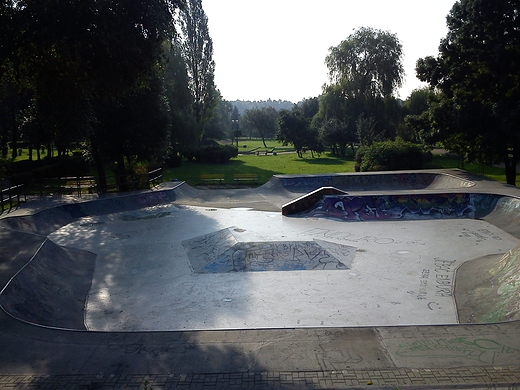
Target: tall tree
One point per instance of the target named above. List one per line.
(477, 72)
(185, 134)
(197, 49)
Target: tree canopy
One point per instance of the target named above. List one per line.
(368, 62)
(477, 75)
(262, 120)
(365, 71)
(197, 50)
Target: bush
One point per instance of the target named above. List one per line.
(5, 168)
(172, 159)
(390, 156)
(216, 154)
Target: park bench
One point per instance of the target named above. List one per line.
(245, 177)
(212, 178)
(68, 185)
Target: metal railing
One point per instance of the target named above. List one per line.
(79, 185)
(11, 194)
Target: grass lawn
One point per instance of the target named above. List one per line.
(263, 166)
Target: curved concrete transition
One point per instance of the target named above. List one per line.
(427, 247)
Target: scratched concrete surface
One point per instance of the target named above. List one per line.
(399, 273)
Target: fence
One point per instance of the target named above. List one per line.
(10, 194)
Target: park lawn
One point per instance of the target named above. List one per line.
(256, 145)
(264, 166)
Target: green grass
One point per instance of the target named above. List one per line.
(263, 166)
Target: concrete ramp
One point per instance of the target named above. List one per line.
(488, 288)
(373, 181)
(51, 289)
(47, 221)
(304, 202)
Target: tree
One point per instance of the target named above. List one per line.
(295, 127)
(417, 121)
(185, 133)
(78, 56)
(122, 126)
(262, 120)
(197, 50)
(220, 122)
(368, 63)
(476, 72)
(365, 70)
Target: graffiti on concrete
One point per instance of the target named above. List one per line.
(354, 238)
(389, 207)
(208, 254)
(480, 349)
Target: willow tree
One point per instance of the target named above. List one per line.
(365, 71)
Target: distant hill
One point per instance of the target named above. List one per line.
(243, 105)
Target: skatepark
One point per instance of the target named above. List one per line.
(412, 269)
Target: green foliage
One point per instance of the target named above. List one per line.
(216, 154)
(196, 48)
(5, 168)
(364, 70)
(368, 62)
(295, 127)
(172, 159)
(476, 72)
(390, 156)
(263, 121)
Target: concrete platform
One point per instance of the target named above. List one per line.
(198, 287)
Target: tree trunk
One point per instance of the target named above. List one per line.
(122, 177)
(100, 168)
(14, 135)
(510, 161)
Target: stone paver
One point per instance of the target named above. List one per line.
(451, 378)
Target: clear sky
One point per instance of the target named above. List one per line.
(276, 49)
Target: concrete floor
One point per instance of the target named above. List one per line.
(149, 274)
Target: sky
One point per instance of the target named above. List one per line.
(276, 49)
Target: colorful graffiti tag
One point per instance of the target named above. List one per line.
(383, 207)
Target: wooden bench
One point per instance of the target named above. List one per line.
(212, 178)
(245, 177)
